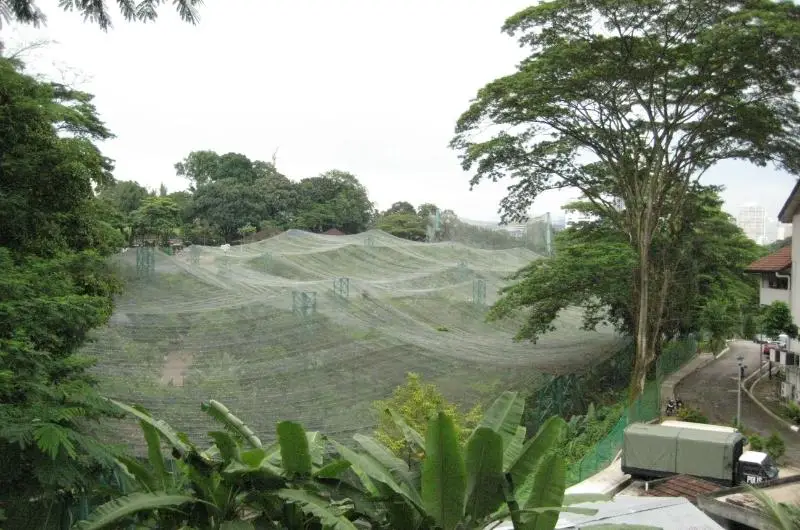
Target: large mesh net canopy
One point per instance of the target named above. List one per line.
(314, 328)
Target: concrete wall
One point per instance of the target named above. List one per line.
(768, 295)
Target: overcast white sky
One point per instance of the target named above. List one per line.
(373, 87)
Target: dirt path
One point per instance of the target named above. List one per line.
(713, 390)
(175, 367)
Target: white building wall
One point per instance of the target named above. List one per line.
(768, 295)
(795, 292)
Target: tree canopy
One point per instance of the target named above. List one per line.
(26, 11)
(55, 287)
(230, 191)
(631, 103)
(593, 268)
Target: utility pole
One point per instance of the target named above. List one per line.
(739, 360)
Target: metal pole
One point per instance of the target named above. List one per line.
(739, 394)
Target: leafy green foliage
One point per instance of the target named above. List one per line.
(630, 104)
(403, 224)
(585, 431)
(529, 476)
(775, 446)
(444, 473)
(230, 192)
(779, 515)
(416, 402)
(229, 484)
(298, 482)
(157, 216)
(756, 442)
(55, 287)
(791, 410)
(26, 12)
(776, 319)
(334, 199)
(692, 415)
(109, 514)
(594, 268)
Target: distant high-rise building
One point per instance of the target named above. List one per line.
(572, 218)
(752, 219)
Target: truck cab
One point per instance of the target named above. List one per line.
(755, 467)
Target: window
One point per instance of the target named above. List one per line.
(774, 282)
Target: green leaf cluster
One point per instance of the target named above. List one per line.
(416, 402)
(306, 480)
(55, 286)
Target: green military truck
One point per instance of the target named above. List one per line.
(653, 451)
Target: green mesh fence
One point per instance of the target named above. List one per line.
(646, 408)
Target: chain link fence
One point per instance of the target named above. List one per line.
(647, 407)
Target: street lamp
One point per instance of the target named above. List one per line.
(739, 360)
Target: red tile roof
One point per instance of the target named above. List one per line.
(333, 232)
(775, 262)
(683, 486)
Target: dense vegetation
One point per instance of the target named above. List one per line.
(592, 268)
(631, 117)
(55, 286)
(631, 104)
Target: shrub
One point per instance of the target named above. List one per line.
(792, 411)
(756, 443)
(692, 415)
(775, 446)
(416, 402)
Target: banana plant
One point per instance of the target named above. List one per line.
(238, 483)
(497, 475)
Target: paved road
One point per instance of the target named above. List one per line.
(712, 389)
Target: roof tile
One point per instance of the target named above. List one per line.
(777, 261)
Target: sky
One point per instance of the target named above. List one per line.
(372, 87)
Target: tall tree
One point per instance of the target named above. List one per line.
(401, 207)
(55, 286)
(199, 167)
(594, 267)
(630, 102)
(125, 195)
(335, 199)
(158, 216)
(403, 224)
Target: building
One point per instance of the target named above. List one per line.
(790, 214)
(752, 219)
(571, 218)
(666, 513)
(737, 507)
(775, 271)
(784, 230)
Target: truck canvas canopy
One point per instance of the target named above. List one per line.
(661, 450)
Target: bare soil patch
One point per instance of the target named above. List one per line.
(176, 364)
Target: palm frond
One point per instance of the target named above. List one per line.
(112, 513)
(781, 516)
(234, 425)
(163, 428)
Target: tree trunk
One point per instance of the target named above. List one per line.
(643, 340)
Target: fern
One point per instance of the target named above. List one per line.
(112, 513)
(51, 438)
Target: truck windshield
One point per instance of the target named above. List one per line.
(770, 468)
